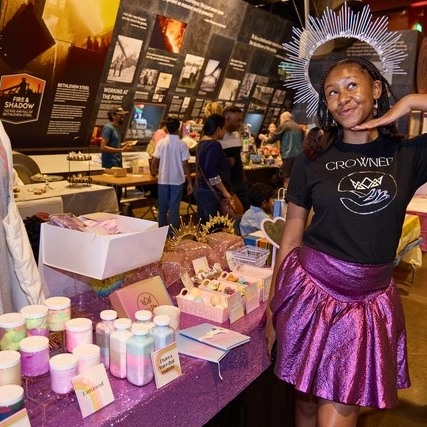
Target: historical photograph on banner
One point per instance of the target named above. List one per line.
(229, 90)
(211, 76)
(190, 71)
(168, 34)
(125, 57)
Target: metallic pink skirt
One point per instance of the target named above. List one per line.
(340, 329)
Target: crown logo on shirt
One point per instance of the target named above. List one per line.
(367, 183)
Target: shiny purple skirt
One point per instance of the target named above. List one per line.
(340, 329)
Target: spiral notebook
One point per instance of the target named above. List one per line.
(215, 336)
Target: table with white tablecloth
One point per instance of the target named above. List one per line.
(60, 197)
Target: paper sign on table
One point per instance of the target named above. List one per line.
(200, 264)
(251, 297)
(186, 280)
(18, 419)
(166, 365)
(235, 307)
(93, 390)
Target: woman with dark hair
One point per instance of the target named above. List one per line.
(213, 169)
(335, 312)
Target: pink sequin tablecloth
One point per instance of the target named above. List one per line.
(190, 400)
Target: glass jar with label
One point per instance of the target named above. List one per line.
(162, 333)
(12, 330)
(138, 359)
(34, 355)
(103, 331)
(78, 331)
(36, 320)
(118, 340)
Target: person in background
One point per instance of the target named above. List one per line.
(20, 282)
(212, 166)
(157, 136)
(232, 146)
(111, 139)
(263, 137)
(261, 198)
(290, 136)
(334, 309)
(171, 158)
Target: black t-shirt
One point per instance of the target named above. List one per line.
(237, 168)
(359, 194)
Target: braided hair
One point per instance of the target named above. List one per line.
(334, 131)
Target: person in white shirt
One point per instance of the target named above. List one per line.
(171, 158)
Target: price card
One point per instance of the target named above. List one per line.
(235, 307)
(200, 264)
(251, 297)
(93, 390)
(166, 365)
(186, 281)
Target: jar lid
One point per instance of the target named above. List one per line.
(87, 351)
(11, 320)
(10, 394)
(35, 311)
(108, 314)
(79, 324)
(9, 358)
(34, 343)
(58, 303)
(161, 320)
(140, 329)
(143, 315)
(122, 323)
(63, 361)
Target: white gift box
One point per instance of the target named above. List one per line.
(139, 243)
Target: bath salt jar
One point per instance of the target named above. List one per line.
(10, 367)
(12, 330)
(118, 340)
(103, 330)
(162, 333)
(88, 356)
(145, 318)
(59, 312)
(36, 320)
(11, 400)
(138, 360)
(78, 331)
(34, 356)
(62, 367)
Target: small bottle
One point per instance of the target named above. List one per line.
(59, 312)
(103, 330)
(118, 341)
(78, 331)
(63, 367)
(36, 320)
(162, 333)
(11, 400)
(145, 318)
(34, 355)
(138, 360)
(12, 330)
(10, 367)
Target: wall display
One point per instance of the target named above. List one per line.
(154, 58)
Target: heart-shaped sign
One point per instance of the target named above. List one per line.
(273, 230)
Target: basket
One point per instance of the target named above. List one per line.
(251, 255)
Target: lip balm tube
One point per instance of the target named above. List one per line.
(36, 320)
(35, 356)
(10, 367)
(12, 330)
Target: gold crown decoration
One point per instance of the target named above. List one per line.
(345, 24)
(185, 231)
(217, 222)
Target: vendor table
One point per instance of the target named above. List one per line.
(78, 199)
(190, 400)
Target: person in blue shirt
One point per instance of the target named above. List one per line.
(261, 198)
